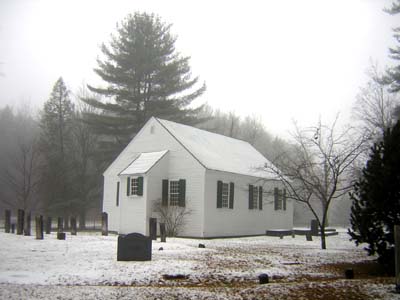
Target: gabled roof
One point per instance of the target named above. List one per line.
(143, 163)
(218, 152)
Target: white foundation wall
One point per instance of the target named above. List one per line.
(241, 220)
(181, 165)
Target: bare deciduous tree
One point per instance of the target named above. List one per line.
(376, 106)
(319, 172)
(174, 217)
(21, 176)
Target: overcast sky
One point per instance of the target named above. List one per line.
(281, 60)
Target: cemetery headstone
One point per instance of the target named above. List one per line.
(314, 228)
(134, 247)
(60, 223)
(73, 226)
(61, 235)
(7, 221)
(308, 237)
(153, 228)
(202, 246)
(263, 278)
(349, 273)
(20, 221)
(27, 229)
(12, 228)
(104, 223)
(163, 233)
(39, 227)
(48, 225)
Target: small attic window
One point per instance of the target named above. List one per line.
(152, 129)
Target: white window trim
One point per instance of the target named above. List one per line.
(175, 193)
(255, 197)
(136, 179)
(227, 195)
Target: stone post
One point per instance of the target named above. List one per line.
(153, 228)
(104, 223)
(39, 227)
(163, 233)
(73, 226)
(20, 221)
(314, 227)
(7, 221)
(27, 229)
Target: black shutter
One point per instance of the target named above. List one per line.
(219, 194)
(231, 194)
(164, 200)
(117, 202)
(276, 198)
(260, 197)
(140, 186)
(250, 196)
(128, 186)
(284, 199)
(182, 192)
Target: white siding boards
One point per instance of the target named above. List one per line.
(218, 179)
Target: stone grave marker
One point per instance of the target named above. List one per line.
(163, 233)
(314, 228)
(153, 228)
(20, 221)
(39, 227)
(7, 221)
(134, 247)
(104, 223)
(48, 225)
(73, 226)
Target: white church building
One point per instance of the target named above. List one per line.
(218, 179)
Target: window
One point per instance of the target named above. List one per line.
(255, 197)
(279, 199)
(134, 186)
(225, 194)
(174, 193)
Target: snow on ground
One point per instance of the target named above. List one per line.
(85, 267)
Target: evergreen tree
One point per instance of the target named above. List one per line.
(145, 77)
(55, 145)
(376, 198)
(394, 73)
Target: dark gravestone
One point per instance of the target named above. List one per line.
(153, 228)
(20, 221)
(60, 223)
(60, 235)
(27, 229)
(349, 274)
(12, 228)
(308, 237)
(73, 226)
(263, 278)
(134, 247)
(48, 225)
(104, 223)
(39, 227)
(7, 221)
(163, 233)
(314, 228)
(202, 246)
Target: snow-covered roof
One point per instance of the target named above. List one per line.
(218, 152)
(143, 163)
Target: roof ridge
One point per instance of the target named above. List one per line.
(207, 131)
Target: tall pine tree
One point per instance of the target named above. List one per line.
(394, 72)
(145, 77)
(55, 145)
(376, 199)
